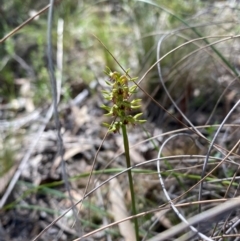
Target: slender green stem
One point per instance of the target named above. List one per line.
(126, 147)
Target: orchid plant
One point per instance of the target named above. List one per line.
(121, 108)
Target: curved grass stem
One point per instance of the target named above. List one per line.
(128, 162)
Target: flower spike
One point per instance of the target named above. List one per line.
(119, 95)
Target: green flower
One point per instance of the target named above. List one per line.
(119, 96)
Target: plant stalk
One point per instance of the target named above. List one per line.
(128, 162)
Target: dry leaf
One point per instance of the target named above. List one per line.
(163, 219)
(80, 116)
(4, 180)
(119, 211)
(68, 154)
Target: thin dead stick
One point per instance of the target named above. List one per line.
(23, 24)
(234, 201)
